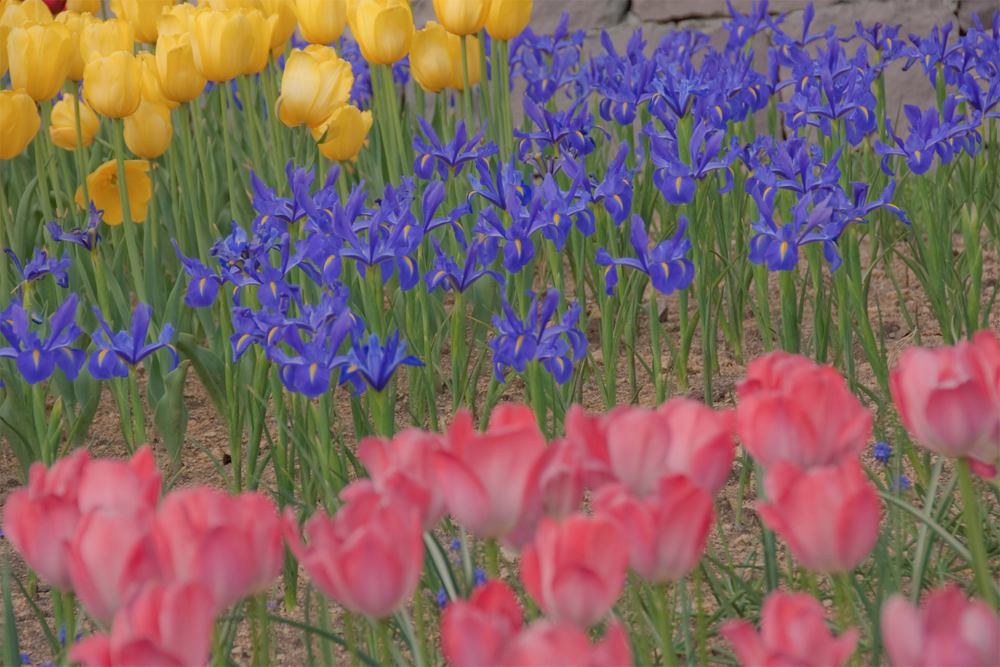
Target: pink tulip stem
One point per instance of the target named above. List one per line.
(974, 534)
(665, 621)
(384, 639)
(843, 595)
(351, 638)
(64, 610)
(492, 559)
(260, 630)
(767, 539)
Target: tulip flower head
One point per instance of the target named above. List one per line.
(102, 38)
(20, 121)
(148, 131)
(342, 136)
(112, 84)
(508, 18)
(179, 79)
(315, 83)
(62, 125)
(102, 185)
(39, 57)
(321, 21)
(383, 28)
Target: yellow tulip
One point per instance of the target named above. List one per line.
(284, 23)
(222, 43)
(144, 15)
(383, 28)
(62, 125)
(434, 57)
(102, 38)
(19, 120)
(462, 17)
(315, 82)
(81, 6)
(180, 81)
(472, 56)
(321, 21)
(152, 87)
(112, 85)
(16, 14)
(4, 31)
(76, 23)
(262, 27)
(148, 131)
(344, 133)
(102, 186)
(176, 20)
(39, 56)
(508, 18)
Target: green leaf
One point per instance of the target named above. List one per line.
(11, 646)
(209, 367)
(171, 415)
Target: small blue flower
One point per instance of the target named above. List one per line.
(118, 350)
(902, 483)
(442, 598)
(479, 577)
(882, 451)
(374, 364)
(456, 544)
(86, 237)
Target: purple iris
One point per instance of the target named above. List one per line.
(931, 134)
(615, 191)
(666, 263)
(86, 237)
(271, 208)
(448, 275)
(117, 350)
(307, 362)
(676, 179)
(812, 221)
(36, 358)
(559, 130)
(447, 158)
(557, 344)
(41, 265)
(204, 284)
(373, 364)
(742, 28)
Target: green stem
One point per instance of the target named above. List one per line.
(131, 243)
(466, 93)
(974, 534)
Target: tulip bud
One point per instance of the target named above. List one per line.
(144, 15)
(148, 131)
(81, 6)
(39, 57)
(19, 120)
(76, 23)
(102, 185)
(262, 27)
(321, 21)
(316, 81)
(472, 62)
(433, 57)
(176, 20)
(62, 124)
(462, 17)
(284, 23)
(222, 43)
(180, 81)
(102, 38)
(16, 14)
(383, 28)
(112, 85)
(508, 18)
(152, 89)
(344, 133)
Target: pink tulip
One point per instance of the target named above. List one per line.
(112, 555)
(41, 518)
(405, 465)
(168, 625)
(701, 442)
(829, 516)
(475, 632)
(793, 633)
(487, 477)
(588, 434)
(666, 531)
(949, 397)
(793, 410)
(545, 644)
(368, 557)
(232, 544)
(121, 486)
(638, 447)
(575, 570)
(948, 630)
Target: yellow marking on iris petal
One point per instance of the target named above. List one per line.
(328, 260)
(618, 200)
(423, 160)
(201, 286)
(263, 219)
(406, 231)
(888, 42)
(798, 115)
(242, 339)
(556, 218)
(438, 276)
(274, 289)
(100, 357)
(718, 110)
(312, 372)
(677, 184)
(518, 344)
(270, 334)
(352, 369)
(666, 270)
(783, 249)
(805, 80)
(767, 191)
(517, 244)
(579, 134)
(624, 107)
(35, 356)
